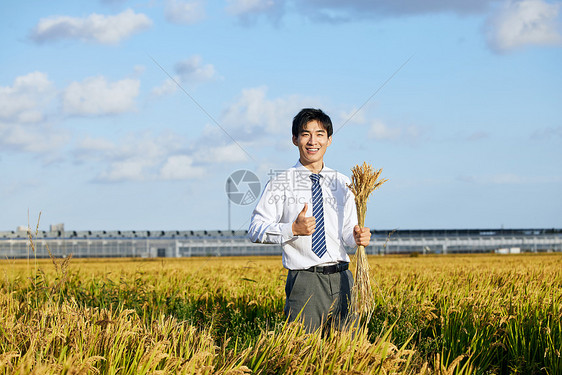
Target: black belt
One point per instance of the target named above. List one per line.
(327, 270)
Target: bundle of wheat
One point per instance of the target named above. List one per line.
(363, 183)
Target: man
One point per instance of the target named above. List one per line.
(310, 212)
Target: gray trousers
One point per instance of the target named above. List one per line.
(317, 299)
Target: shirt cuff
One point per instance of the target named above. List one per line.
(287, 232)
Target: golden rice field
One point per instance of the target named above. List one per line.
(473, 314)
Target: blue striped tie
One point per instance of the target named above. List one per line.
(318, 237)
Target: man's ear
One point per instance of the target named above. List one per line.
(295, 142)
(329, 141)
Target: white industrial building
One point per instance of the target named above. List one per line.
(182, 243)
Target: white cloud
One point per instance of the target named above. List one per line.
(184, 12)
(346, 11)
(231, 153)
(382, 132)
(126, 170)
(353, 116)
(192, 70)
(136, 157)
(27, 99)
(139, 157)
(96, 96)
(167, 87)
(254, 115)
(238, 7)
(94, 28)
(180, 167)
(95, 145)
(24, 109)
(138, 70)
(525, 22)
(248, 11)
(32, 138)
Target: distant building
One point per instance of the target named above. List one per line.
(57, 227)
(511, 250)
(188, 243)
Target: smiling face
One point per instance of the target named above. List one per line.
(312, 142)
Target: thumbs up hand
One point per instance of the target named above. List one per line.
(304, 226)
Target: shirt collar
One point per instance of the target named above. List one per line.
(302, 169)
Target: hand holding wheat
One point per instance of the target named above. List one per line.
(363, 183)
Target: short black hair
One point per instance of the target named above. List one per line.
(307, 115)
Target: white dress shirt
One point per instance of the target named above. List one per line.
(282, 200)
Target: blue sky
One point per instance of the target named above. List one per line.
(132, 115)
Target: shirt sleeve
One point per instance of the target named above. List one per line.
(350, 219)
(266, 225)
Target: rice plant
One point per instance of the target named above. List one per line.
(470, 314)
(364, 181)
